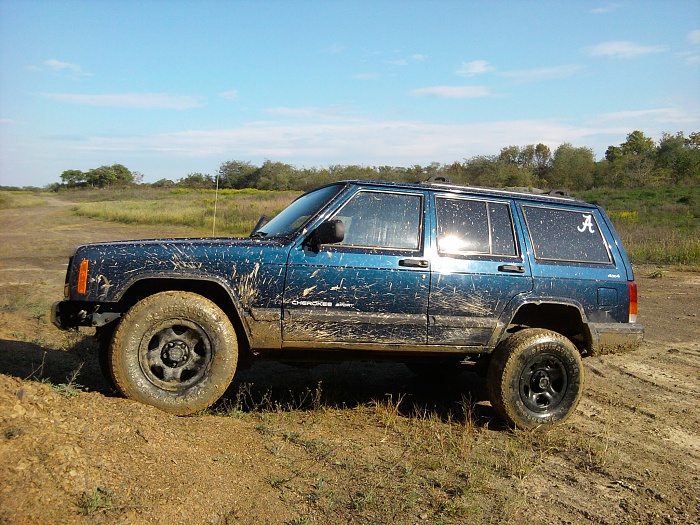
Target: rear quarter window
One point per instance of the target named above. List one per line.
(566, 235)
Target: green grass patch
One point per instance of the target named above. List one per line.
(237, 211)
(20, 199)
(657, 225)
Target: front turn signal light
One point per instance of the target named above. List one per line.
(83, 277)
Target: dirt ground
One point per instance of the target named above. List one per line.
(336, 444)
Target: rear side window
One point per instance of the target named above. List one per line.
(566, 235)
(471, 227)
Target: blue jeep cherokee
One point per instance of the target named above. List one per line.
(435, 275)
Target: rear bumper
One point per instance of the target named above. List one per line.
(613, 338)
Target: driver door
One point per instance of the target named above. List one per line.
(371, 288)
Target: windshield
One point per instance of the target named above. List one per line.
(299, 212)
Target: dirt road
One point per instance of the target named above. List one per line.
(349, 443)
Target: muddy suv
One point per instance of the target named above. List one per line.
(439, 276)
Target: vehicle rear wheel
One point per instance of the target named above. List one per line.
(535, 378)
(176, 351)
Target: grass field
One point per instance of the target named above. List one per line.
(237, 211)
(19, 199)
(657, 225)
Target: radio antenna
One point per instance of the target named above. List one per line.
(216, 200)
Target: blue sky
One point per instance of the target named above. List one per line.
(169, 88)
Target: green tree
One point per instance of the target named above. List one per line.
(572, 168)
(678, 158)
(100, 177)
(121, 174)
(274, 176)
(163, 183)
(73, 178)
(542, 161)
(197, 180)
(638, 144)
(108, 175)
(238, 174)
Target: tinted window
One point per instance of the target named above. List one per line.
(469, 227)
(382, 220)
(565, 235)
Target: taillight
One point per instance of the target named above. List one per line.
(633, 301)
(83, 277)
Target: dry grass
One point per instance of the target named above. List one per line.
(20, 199)
(411, 462)
(237, 211)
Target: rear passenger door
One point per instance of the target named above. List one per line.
(477, 268)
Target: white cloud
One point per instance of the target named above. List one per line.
(65, 67)
(452, 92)
(622, 49)
(230, 95)
(648, 117)
(413, 59)
(605, 9)
(543, 73)
(397, 143)
(694, 37)
(692, 60)
(338, 141)
(128, 100)
(307, 112)
(475, 67)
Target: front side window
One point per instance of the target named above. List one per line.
(299, 212)
(566, 235)
(471, 227)
(374, 219)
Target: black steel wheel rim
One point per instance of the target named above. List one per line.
(176, 354)
(543, 383)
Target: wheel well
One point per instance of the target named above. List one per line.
(209, 289)
(561, 318)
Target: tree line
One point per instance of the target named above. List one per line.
(637, 162)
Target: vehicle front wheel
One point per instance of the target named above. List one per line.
(535, 378)
(176, 351)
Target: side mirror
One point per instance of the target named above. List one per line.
(262, 222)
(329, 232)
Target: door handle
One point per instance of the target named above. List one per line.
(414, 263)
(513, 268)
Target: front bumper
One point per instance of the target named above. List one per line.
(69, 315)
(65, 316)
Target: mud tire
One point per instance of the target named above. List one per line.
(535, 378)
(176, 351)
